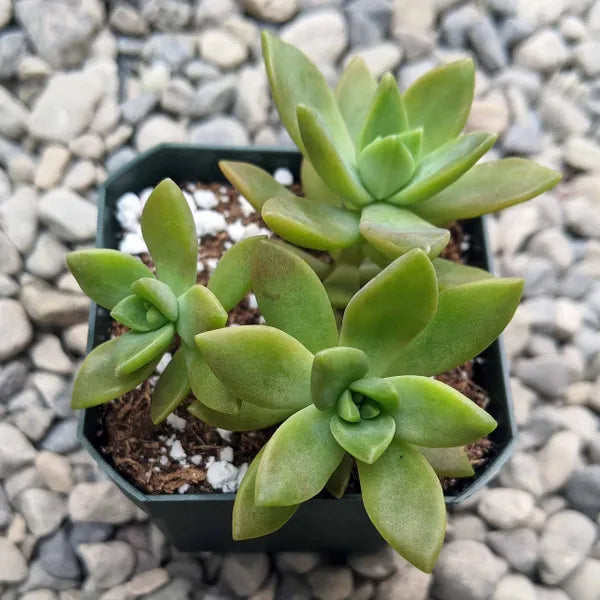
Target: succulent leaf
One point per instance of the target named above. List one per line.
(388, 312)
(295, 80)
(448, 462)
(385, 165)
(132, 312)
(106, 275)
(444, 166)
(380, 390)
(335, 170)
(386, 115)
(311, 224)
(298, 460)
(436, 415)
(333, 370)
(248, 418)
(394, 231)
(159, 294)
(341, 284)
(354, 92)
(230, 281)
(315, 188)
(440, 102)
(249, 520)
(338, 482)
(155, 318)
(413, 140)
(404, 500)
(450, 273)
(469, 318)
(346, 408)
(171, 389)
(320, 267)
(487, 188)
(199, 310)
(205, 385)
(367, 270)
(291, 297)
(259, 364)
(369, 410)
(136, 349)
(170, 234)
(96, 381)
(254, 183)
(365, 440)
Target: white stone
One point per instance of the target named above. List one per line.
(47, 353)
(221, 48)
(43, 510)
(513, 587)
(55, 470)
(51, 167)
(176, 422)
(16, 329)
(582, 153)
(277, 11)
(133, 243)
(505, 508)
(88, 145)
(108, 563)
(66, 107)
(587, 56)
(205, 199)
(68, 215)
(146, 582)
(13, 567)
(283, 176)
(379, 58)
(177, 452)
(252, 98)
(18, 218)
(222, 475)
(544, 51)
(322, 35)
(13, 115)
(100, 502)
(209, 222)
(540, 12)
(81, 176)
(226, 454)
(159, 129)
(558, 459)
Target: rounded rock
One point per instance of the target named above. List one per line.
(16, 329)
(505, 508)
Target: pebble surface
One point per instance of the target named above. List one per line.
(79, 100)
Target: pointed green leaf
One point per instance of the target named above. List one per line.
(369, 410)
(394, 231)
(469, 318)
(487, 188)
(440, 102)
(205, 385)
(335, 170)
(248, 418)
(450, 273)
(169, 231)
(444, 166)
(132, 312)
(367, 270)
(413, 140)
(259, 364)
(333, 370)
(295, 80)
(254, 183)
(106, 275)
(315, 188)
(320, 267)
(354, 92)
(96, 381)
(291, 297)
(341, 284)
(386, 115)
(199, 310)
(365, 440)
(338, 482)
(135, 349)
(171, 389)
(252, 521)
(448, 462)
(436, 415)
(230, 281)
(385, 165)
(380, 390)
(155, 318)
(298, 460)
(346, 408)
(391, 309)
(159, 294)
(311, 224)
(404, 500)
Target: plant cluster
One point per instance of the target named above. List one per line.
(382, 171)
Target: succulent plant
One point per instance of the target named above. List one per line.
(383, 172)
(159, 309)
(363, 392)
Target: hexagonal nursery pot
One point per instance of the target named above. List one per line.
(196, 522)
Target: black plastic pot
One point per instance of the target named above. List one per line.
(203, 521)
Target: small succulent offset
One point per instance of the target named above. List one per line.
(155, 309)
(382, 171)
(363, 392)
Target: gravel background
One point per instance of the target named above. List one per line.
(85, 85)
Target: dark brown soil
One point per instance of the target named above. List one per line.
(140, 450)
